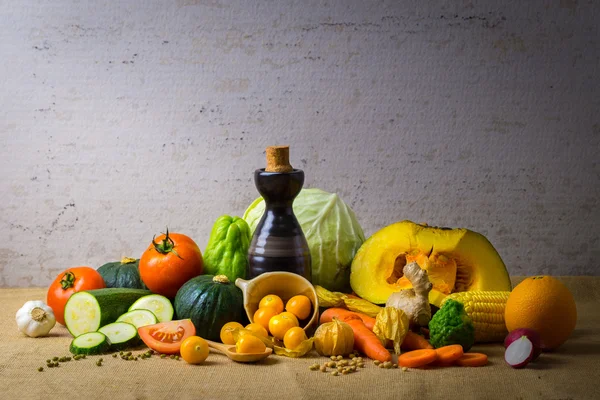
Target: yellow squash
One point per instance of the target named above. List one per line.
(456, 260)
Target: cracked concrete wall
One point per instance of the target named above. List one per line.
(118, 119)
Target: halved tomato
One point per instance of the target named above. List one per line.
(166, 337)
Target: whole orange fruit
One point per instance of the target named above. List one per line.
(544, 304)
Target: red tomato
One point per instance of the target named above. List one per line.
(170, 261)
(68, 282)
(166, 337)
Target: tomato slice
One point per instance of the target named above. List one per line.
(166, 337)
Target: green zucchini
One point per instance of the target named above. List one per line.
(121, 335)
(90, 343)
(139, 318)
(157, 304)
(87, 311)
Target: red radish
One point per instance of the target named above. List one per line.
(530, 334)
(519, 353)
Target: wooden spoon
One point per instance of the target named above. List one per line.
(230, 352)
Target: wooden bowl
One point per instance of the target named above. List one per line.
(283, 284)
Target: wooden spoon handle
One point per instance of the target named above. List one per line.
(218, 346)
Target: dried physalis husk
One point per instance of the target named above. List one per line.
(334, 338)
(329, 299)
(362, 306)
(391, 324)
(296, 352)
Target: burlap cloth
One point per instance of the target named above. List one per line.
(572, 372)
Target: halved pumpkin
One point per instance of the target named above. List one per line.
(456, 260)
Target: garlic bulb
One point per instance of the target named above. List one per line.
(35, 318)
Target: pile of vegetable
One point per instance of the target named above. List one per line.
(421, 295)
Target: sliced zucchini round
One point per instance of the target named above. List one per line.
(157, 304)
(121, 335)
(90, 343)
(138, 318)
(82, 314)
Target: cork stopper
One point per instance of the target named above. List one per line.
(278, 159)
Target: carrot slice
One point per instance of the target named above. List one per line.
(472, 360)
(417, 358)
(448, 354)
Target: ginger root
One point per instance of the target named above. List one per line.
(415, 301)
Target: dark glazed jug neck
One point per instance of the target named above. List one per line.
(279, 189)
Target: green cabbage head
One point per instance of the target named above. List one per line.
(332, 232)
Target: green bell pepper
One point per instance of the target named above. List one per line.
(227, 250)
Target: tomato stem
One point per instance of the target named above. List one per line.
(68, 280)
(166, 246)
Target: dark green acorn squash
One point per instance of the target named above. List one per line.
(210, 302)
(122, 274)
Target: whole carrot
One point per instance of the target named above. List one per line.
(414, 341)
(366, 341)
(341, 313)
